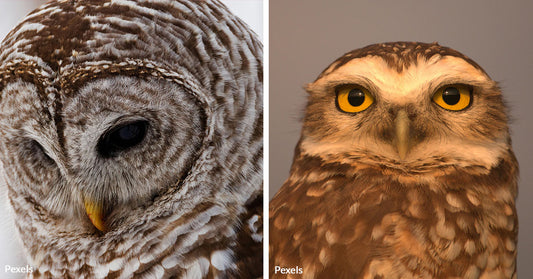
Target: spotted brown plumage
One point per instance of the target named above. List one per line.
(407, 188)
(131, 139)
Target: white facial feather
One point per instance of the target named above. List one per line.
(414, 85)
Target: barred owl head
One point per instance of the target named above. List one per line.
(131, 138)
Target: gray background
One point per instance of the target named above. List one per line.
(305, 36)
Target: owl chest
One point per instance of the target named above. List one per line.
(396, 230)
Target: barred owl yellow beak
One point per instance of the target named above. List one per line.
(95, 212)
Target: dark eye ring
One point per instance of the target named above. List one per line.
(122, 137)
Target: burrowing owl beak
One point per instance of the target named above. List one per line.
(95, 211)
(401, 133)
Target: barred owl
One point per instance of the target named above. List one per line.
(131, 139)
(404, 169)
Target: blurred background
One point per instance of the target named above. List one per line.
(306, 38)
(11, 13)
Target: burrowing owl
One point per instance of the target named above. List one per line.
(131, 138)
(404, 169)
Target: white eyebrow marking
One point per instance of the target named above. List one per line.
(407, 86)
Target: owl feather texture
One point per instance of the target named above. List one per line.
(131, 139)
(404, 169)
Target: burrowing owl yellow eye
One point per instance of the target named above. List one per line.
(453, 97)
(353, 98)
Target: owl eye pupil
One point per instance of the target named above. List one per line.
(451, 96)
(122, 138)
(130, 132)
(356, 97)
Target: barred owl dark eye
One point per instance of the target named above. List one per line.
(122, 137)
(33, 151)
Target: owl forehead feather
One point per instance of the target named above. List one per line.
(398, 55)
(108, 37)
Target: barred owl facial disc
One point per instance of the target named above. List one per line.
(131, 139)
(404, 169)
